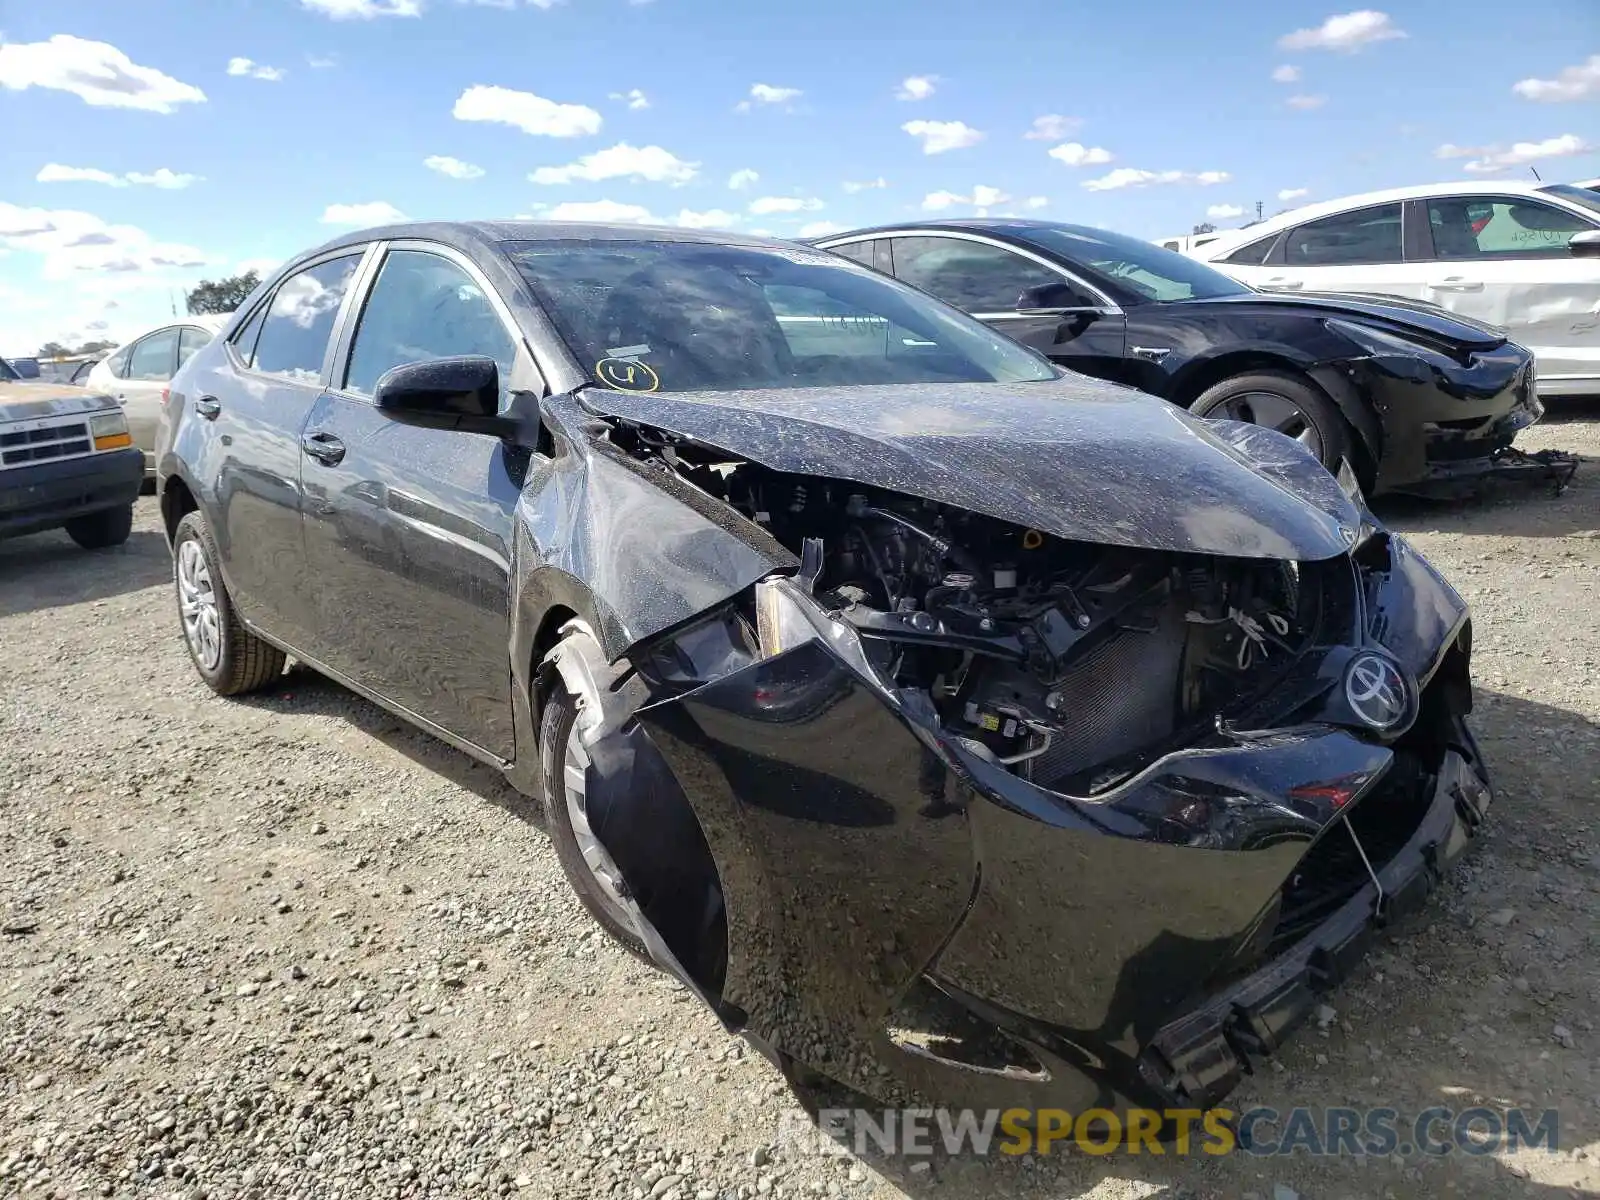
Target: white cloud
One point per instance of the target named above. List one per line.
(1293, 193)
(1075, 154)
(254, 70)
(1347, 31)
(452, 167)
(712, 218)
(1305, 103)
(742, 178)
(529, 113)
(766, 93)
(634, 97)
(322, 62)
(983, 198)
(765, 205)
(610, 211)
(1037, 201)
(96, 72)
(622, 161)
(1224, 212)
(819, 229)
(1053, 127)
(161, 177)
(375, 212)
(917, 87)
(1127, 177)
(73, 243)
(546, 5)
(1573, 83)
(261, 266)
(1287, 73)
(940, 136)
(1491, 160)
(364, 10)
(863, 185)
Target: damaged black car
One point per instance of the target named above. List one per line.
(961, 730)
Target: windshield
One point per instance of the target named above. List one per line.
(1150, 271)
(1583, 197)
(662, 316)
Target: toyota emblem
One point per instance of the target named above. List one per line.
(1377, 692)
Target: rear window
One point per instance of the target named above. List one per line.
(1368, 235)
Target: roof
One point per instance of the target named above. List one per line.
(470, 235)
(1325, 208)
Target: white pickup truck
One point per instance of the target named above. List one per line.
(67, 462)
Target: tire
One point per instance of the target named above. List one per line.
(559, 748)
(98, 530)
(230, 658)
(1284, 401)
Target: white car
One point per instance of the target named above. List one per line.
(137, 374)
(1524, 257)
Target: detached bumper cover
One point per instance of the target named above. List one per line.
(49, 494)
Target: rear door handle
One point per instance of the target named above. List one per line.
(1282, 283)
(324, 447)
(1456, 283)
(207, 406)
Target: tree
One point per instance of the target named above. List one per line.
(1204, 227)
(223, 295)
(100, 346)
(53, 350)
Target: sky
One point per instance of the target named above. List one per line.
(147, 145)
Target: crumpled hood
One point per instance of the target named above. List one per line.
(26, 400)
(1074, 457)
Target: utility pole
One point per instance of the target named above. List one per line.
(1260, 208)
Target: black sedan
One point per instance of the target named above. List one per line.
(953, 725)
(1413, 396)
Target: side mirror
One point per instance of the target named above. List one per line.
(1050, 298)
(1585, 245)
(462, 394)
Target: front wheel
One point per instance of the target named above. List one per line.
(98, 530)
(230, 658)
(1288, 403)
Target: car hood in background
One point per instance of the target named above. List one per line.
(1072, 457)
(1413, 318)
(27, 399)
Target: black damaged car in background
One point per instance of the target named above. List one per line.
(1417, 398)
(957, 727)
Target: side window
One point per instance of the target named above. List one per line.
(190, 339)
(1368, 235)
(117, 364)
(294, 333)
(153, 357)
(424, 306)
(1493, 227)
(1253, 254)
(860, 251)
(244, 341)
(975, 277)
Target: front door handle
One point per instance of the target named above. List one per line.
(1456, 283)
(1282, 283)
(324, 447)
(206, 406)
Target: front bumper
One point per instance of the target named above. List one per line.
(49, 494)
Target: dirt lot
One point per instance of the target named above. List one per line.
(287, 947)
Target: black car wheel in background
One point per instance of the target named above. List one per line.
(1414, 396)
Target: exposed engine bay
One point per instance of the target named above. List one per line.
(1070, 663)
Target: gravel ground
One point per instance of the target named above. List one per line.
(287, 947)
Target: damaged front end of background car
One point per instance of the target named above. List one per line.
(999, 753)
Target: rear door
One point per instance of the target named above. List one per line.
(252, 403)
(408, 530)
(150, 366)
(1505, 260)
(1357, 251)
(1085, 333)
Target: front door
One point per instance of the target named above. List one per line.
(408, 530)
(1505, 260)
(987, 280)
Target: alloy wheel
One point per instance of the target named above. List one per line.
(197, 604)
(1272, 411)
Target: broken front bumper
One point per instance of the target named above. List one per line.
(921, 924)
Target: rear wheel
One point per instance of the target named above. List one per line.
(230, 658)
(584, 860)
(98, 530)
(1290, 404)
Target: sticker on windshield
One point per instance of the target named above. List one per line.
(628, 351)
(626, 375)
(816, 258)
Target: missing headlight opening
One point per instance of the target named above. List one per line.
(1067, 662)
